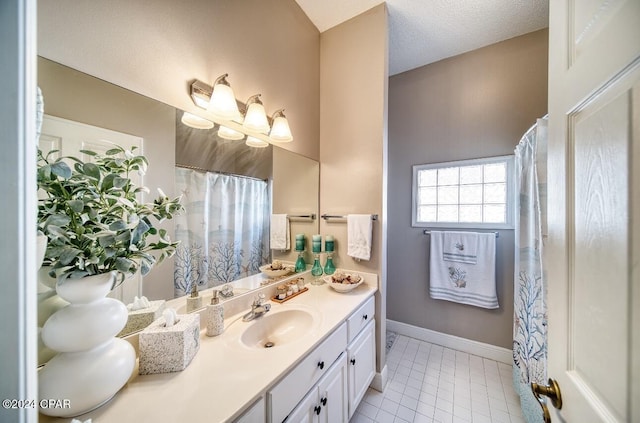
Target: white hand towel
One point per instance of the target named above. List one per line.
(461, 247)
(359, 229)
(462, 282)
(279, 239)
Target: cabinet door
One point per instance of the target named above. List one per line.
(307, 410)
(283, 397)
(333, 393)
(362, 359)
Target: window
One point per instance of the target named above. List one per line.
(471, 193)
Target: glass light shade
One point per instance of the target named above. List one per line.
(229, 134)
(256, 118)
(223, 102)
(280, 130)
(194, 121)
(201, 101)
(255, 142)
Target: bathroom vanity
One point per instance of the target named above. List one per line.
(318, 368)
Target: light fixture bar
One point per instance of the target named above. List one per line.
(201, 93)
(220, 101)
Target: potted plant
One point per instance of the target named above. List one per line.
(93, 218)
(97, 230)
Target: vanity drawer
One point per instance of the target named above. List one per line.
(359, 319)
(284, 397)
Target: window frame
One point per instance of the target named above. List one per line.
(510, 193)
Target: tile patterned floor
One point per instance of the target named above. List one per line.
(430, 383)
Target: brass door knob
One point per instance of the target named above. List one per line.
(551, 391)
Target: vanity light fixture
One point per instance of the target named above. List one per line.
(194, 121)
(255, 142)
(220, 101)
(229, 134)
(223, 101)
(280, 131)
(256, 118)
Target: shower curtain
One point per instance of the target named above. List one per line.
(530, 313)
(223, 231)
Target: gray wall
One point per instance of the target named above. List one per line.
(474, 105)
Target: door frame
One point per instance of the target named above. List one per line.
(18, 355)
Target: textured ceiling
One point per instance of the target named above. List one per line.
(425, 31)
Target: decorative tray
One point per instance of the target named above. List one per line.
(275, 299)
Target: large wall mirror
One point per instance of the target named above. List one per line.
(176, 153)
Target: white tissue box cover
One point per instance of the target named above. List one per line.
(169, 349)
(140, 319)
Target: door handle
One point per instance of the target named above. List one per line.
(551, 391)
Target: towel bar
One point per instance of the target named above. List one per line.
(334, 216)
(311, 216)
(428, 232)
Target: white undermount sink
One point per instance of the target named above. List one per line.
(278, 327)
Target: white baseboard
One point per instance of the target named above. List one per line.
(380, 380)
(469, 346)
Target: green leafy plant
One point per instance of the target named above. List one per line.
(93, 218)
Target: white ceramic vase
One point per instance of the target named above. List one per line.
(92, 365)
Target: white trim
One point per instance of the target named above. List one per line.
(481, 349)
(380, 379)
(18, 355)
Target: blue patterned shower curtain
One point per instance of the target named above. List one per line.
(223, 231)
(530, 310)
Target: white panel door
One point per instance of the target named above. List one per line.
(362, 365)
(333, 393)
(594, 209)
(69, 138)
(307, 410)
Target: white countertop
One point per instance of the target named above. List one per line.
(224, 378)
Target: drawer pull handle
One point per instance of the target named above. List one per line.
(324, 401)
(365, 316)
(321, 365)
(353, 361)
(317, 409)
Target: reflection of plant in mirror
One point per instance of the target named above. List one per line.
(93, 218)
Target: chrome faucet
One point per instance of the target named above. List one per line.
(258, 308)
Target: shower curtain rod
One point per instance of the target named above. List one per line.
(428, 232)
(200, 169)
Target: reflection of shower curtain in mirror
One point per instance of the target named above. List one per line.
(223, 231)
(530, 309)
